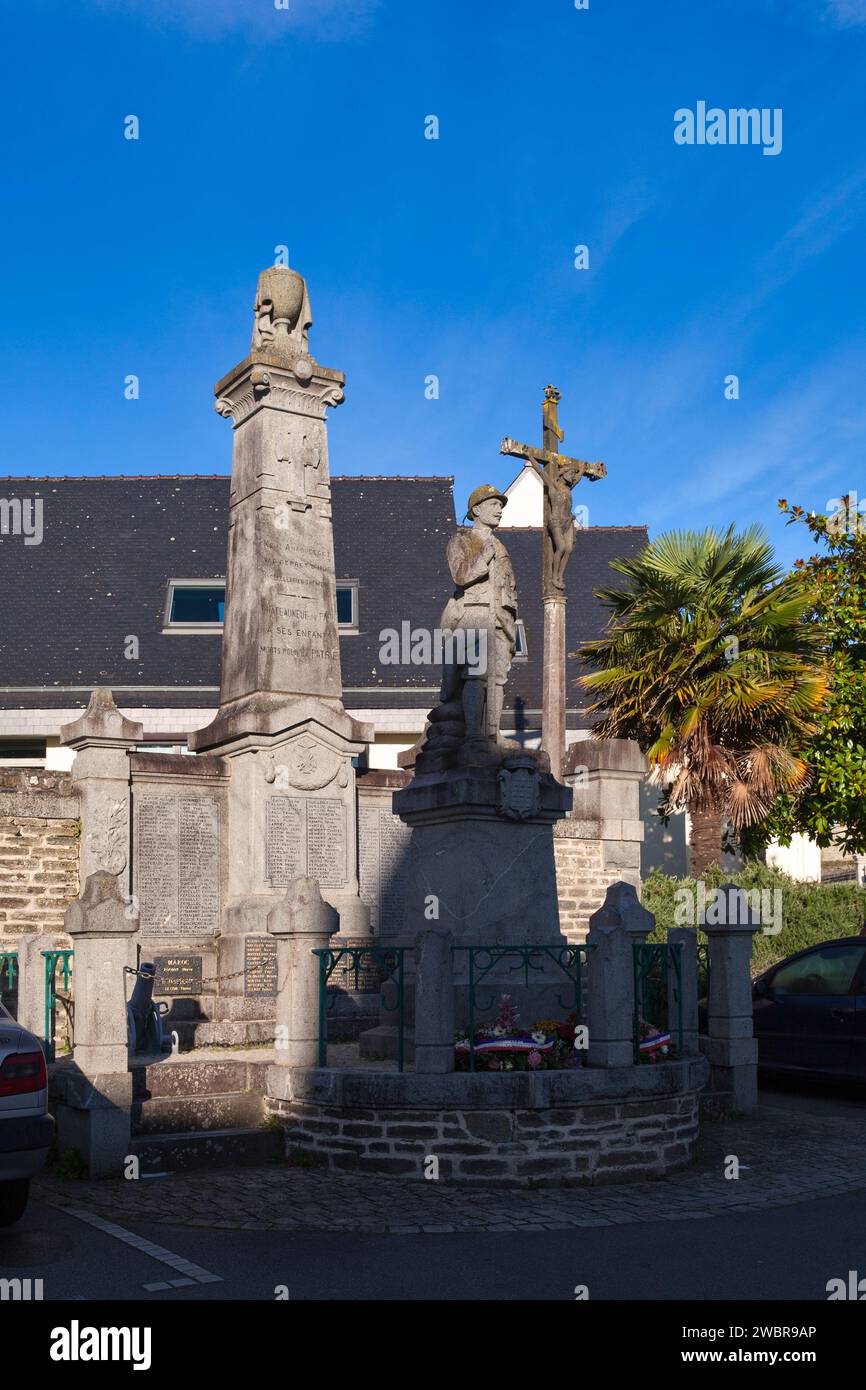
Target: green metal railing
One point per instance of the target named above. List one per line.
(703, 970)
(8, 972)
(355, 962)
(658, 971)
(52, 960)
(526, 958)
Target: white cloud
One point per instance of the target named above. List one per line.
(807, 443)
(258, 20)
(828, 216)
(846, 12)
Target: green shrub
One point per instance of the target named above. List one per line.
(811, 912)
(68, 1164)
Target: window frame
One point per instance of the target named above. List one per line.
(171, 626)
(353, 586)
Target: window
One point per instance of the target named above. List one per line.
(195, 605)
(347, 605)
(521, 651)
(830, 970)
(22, 750)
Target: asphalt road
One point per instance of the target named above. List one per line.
(782, 1253)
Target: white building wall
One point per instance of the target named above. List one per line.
(801, 859)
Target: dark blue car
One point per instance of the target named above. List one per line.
(810, 1011)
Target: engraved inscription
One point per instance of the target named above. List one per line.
(285, 835)
(326, 842)
(306, 837)
(198, 838)
(156, 856)
(260, 966)
(382, 866)
(178, 865)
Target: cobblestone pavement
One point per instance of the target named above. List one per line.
(785, 1157)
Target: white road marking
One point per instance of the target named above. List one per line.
(193, 1274)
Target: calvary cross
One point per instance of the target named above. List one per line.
(559, 474)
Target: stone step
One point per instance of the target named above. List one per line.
(180, 1153)
(180, 1114)
(228, 1032)
(245, 1032)
(207, 1075)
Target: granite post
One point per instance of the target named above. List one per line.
(687, 987)
(96, 1094)
(618, 925)
(31, 982)
(434, 1002)
(731, 1048)
(102, 739)
(302, 924)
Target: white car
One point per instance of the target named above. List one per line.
(26, 1128)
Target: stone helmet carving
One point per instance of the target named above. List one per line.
(282, 311)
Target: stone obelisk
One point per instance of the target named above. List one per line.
(281, 724)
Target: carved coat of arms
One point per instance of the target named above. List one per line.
(518, 789)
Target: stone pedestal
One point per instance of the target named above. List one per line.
(618, 925)
(481, 866)
(732, 1048)
(96, 1093)
(477, 865)
(302, 924)
(291, 815)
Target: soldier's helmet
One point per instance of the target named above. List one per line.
(481, 494)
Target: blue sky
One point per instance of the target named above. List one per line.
(305, 127)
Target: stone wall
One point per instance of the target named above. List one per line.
(38, 853)
(600, 842)
(523, 1129)
(581, 877)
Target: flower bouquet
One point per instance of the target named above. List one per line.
(505, 1046)
(654, 1045)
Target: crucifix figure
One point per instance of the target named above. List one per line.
(559, 474)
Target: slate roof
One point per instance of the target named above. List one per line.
(111, 544)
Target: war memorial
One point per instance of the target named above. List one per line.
(277, 950)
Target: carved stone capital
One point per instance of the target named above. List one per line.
(300, 390)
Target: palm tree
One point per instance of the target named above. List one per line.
(709, 664)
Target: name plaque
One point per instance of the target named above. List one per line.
(177, 975)
(260, 966)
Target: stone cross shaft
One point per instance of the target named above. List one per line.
(559, 474)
